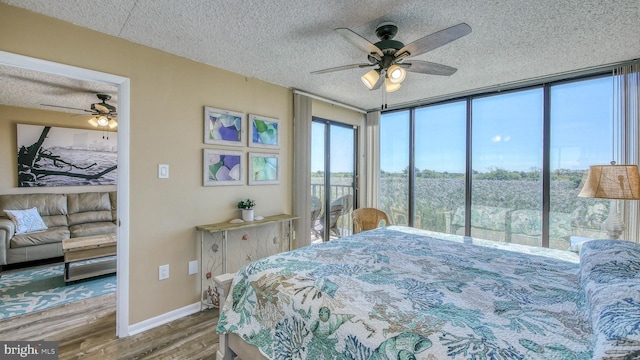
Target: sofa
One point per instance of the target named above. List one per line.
(65, 216)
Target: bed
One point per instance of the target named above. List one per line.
(404, 293)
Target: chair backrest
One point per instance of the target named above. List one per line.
(368, 218)
(339, 207)
(316, 208)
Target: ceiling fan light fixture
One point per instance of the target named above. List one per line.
(102, 120)
(113, 124)
(93, 122)
(390, 86)
(396, 74)
(370, 78)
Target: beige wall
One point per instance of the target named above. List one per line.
(10, 117)
(167, 98)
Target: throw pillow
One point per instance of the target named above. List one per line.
(26, 221)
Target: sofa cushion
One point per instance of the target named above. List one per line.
(95, 228)
(49, 236)
(113, 196)
(26, 220)
(89, 207)
(52, 207)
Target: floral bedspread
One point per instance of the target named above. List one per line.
(402, 293)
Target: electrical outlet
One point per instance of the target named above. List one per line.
(193, 267)
(163, 272)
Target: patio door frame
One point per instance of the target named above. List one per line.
(327, 166)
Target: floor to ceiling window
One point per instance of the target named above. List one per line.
(485, 155)
(581, 135)
(440, 153)
(393, 195)
(506, 190)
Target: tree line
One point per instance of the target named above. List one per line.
(494, 173)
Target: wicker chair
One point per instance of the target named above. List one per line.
(369, 218)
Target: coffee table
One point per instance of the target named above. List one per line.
(87, 248)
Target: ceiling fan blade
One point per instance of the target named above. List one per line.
(340, 68)
(66, 107)
(435, 40)
(359, 42)
(426, 67)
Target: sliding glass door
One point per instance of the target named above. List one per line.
(333, 179)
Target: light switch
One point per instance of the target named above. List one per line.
(163, 171)
(193, 267)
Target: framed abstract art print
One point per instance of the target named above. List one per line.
(223, 127)
(264, 169)
(265, 132)
(223, 167)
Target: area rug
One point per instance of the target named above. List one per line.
(41, 288)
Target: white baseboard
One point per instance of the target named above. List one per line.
(163, 319)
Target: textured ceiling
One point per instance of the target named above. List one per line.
(283, 42)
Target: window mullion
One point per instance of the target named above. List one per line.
(412, 166)
(546, 165)
(469, 172)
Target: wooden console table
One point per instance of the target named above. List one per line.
(224, 229)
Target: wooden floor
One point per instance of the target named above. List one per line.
(87, 329)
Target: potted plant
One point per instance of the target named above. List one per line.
(247, 209)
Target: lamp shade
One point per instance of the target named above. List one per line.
(102, 120)
(370, 78)
(390, 86)
(396, 74)
(612, 182)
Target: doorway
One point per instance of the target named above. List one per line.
(333, 178)
(123, 85)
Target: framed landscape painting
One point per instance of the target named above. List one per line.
(264, 169)
(223, 127)
(55, 156)
(265, 132)
(223, 167)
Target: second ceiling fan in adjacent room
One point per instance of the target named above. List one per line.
(104, 114)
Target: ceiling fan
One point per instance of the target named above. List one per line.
(104, 114)
(391, 57)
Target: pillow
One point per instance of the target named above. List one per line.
(609, 276)
(26, 221)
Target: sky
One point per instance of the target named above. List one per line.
(341, 145)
